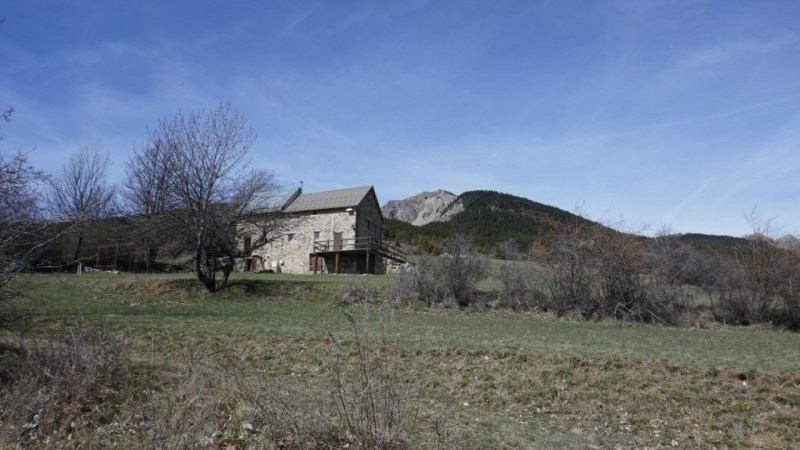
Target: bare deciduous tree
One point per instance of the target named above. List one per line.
(21, 228)
(23, 233)
(79, 196)
(192, 180)
(147, 193)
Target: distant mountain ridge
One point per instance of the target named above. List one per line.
(493, 218)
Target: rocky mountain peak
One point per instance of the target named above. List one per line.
(423, 208)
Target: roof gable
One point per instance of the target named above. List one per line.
(317, 201)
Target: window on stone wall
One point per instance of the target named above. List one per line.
(248, 243)
(316, 236)
(290, 237)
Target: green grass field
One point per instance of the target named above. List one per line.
(490, 379)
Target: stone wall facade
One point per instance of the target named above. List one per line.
(290, 252)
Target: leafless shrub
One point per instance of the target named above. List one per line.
(599, 272)
(750, 284)
(571, 279)
(462, 271)
(451, 278)
(63, 384)
(520, 287)
(377, 401)
(757, 288)
(670, 265)
(419, 284)
(620, 266)
(789, 289)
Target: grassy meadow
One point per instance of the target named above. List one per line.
(274, 361)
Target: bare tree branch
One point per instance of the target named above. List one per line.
(22, 230)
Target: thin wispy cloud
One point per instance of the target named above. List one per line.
(740, 50)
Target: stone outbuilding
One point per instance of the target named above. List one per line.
(328, 232)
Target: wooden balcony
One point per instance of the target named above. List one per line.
(368, 246)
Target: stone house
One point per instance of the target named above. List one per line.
(328, 232)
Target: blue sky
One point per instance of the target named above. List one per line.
(657, 113)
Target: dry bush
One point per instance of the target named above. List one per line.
(64, 384)
(670, 267)
(451, 278)
(420, 284)
(598, 272)
(376, 400)
(789, 314)
(80, 387)
(571, 279)
(756, 284)
(520, 288)
(620, 263)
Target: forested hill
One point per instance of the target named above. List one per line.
(713, 241)
(489, 218)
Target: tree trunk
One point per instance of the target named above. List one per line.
(201, 266)
(227, 268)
(78, 247)
(152, 255)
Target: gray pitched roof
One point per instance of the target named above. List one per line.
(341, 198)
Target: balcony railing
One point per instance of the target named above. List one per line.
(368, 243)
